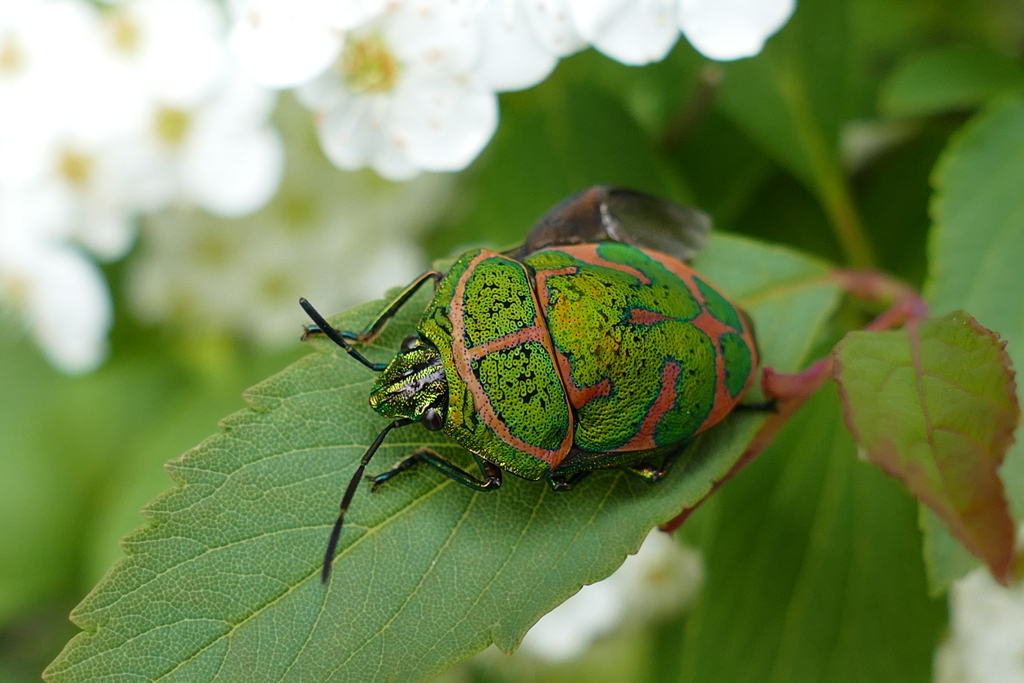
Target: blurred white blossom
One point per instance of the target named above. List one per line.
(333, 237)
(52, 286)
(203, 131)
(630, 31)
(285, 43)
(660, 580)
(402, 97)
(986, 631)
(522, 41)
(732, 29)
(105, 116)
(642, 31)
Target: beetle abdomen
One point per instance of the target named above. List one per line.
(650, 354)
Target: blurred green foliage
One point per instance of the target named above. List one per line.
(826, 142)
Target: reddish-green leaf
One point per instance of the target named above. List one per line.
(935, 406)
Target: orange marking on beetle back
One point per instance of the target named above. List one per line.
(641, 316)
(580, 396)
(588, 254)
(463, 358)
(513, 339)
(667, 396)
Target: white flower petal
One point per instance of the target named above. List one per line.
(349, 131)
(442, 126)
(348, 14)
(173, 75)
(233, 175)
(64, 298)
(987, 629)
(283, 44)
(322, 93)
(732, 29)
(434, 35)
(512, 57)
(553, 26)
(633, 32)
(392, 162)
(568, 630)
(71, 311)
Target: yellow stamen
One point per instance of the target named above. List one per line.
(75, 168)
(172, 125)
(11, 57)
(124, 33)
(368, 66)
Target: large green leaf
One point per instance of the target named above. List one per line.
(935, 406)
(813, 569)
(976, 248)
(224, 582)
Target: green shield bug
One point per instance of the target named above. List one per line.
(592, 346)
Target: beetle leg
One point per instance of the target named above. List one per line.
(344, 338)
(771, 406)
(491, 472)
(561, 482)
(350, 492)
(651, 473)
(339, 338)
(385, 316)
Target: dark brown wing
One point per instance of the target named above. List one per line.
(615, 214)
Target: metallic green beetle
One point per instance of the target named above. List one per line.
(592, 346)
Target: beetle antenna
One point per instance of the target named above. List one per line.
(353, 484)
(337, 337)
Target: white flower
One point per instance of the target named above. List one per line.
(986, 640)
(59, 293)
(104, 117)
(285, 43)
(643, 31)
(224, 156)
(732, 29)
(522, 41)
(203, 134)
(659, 580)
(333, 237)
(630, 31)
(402, 97)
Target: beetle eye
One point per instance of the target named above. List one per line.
(432, 420)
(410, 342)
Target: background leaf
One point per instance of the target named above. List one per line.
(935, 406)
(812, 565)
(225, 580)
(950, 79)
(793, 101)
(975, 253)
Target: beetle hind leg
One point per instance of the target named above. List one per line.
(771, 406)
(490, 481)
(652, 473)
(560, 482)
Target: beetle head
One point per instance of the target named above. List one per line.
(413, 385)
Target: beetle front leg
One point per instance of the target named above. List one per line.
(344, 338)
(384, 317)
(491, 472)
